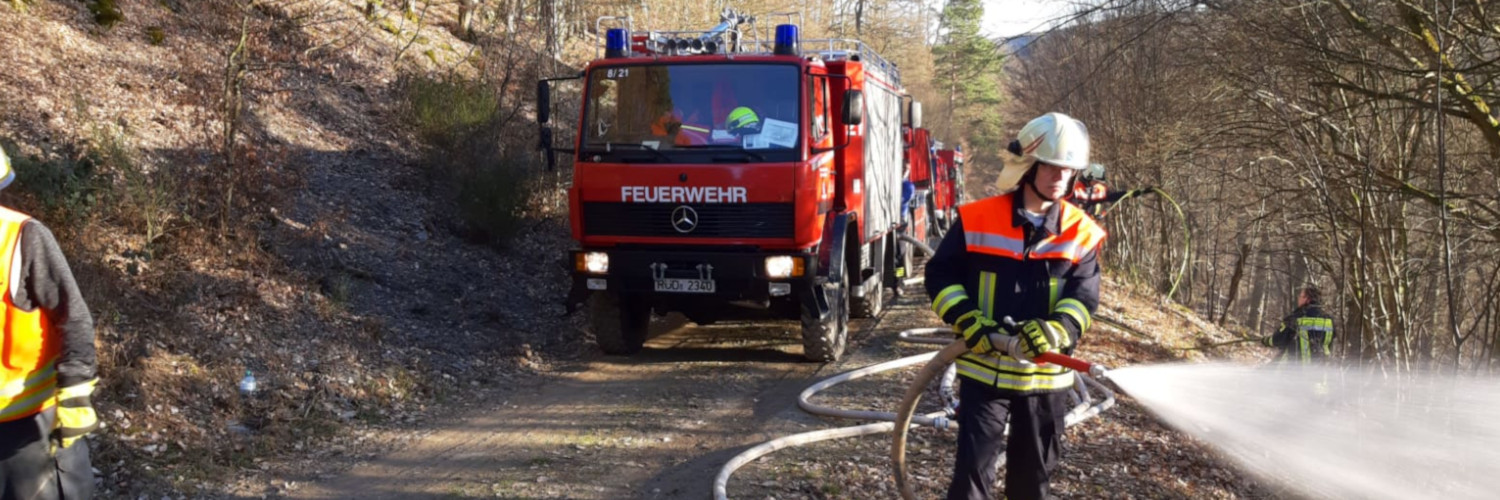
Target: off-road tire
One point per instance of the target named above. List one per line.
(825, 341)
(872, 303)
(619, 326)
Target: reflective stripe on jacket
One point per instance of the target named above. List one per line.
(994, 263)
(28, 357)
(1305, 336)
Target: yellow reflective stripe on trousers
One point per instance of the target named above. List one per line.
(948, 298)
(1036, 382)
(987, 293)
(1076, 309)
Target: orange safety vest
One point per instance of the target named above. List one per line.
(28, 357)
(1087, 192)
(988, 230)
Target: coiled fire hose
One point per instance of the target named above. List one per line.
(938, 362)
(943, 359)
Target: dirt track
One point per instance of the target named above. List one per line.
(655, 425)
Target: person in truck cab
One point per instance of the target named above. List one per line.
(1017, 276)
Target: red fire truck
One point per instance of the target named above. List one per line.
(726, 176)
(950, 185)
(922, 167)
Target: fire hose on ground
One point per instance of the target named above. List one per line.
(938, 362)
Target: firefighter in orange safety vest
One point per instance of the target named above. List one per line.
(48, 370)
(1031, 256)
(1093, 195)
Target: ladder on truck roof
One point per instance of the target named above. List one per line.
(842, 49)
(714, 41)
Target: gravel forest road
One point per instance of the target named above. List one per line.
(655, 425)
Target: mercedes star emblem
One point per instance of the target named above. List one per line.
(684, 219)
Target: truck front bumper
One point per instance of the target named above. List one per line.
(666, 275)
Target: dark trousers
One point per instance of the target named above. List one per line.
(1031, 451)
(29, 471)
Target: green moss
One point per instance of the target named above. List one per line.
(156, 35)
(106, 13)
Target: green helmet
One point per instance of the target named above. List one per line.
(743, 120)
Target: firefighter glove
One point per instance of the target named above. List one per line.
(1144, 191)
(976, 330)
(1040, 336)
(75, 413)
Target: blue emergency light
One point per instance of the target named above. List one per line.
(616, 40)
(786, 40)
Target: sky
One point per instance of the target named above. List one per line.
(1005, 18)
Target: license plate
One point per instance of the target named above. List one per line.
(675, 285)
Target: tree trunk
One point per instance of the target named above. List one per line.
(466, 10)
(1234, 282)
(859, 18)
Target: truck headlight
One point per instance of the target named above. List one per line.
(593, 262)
(784, 266)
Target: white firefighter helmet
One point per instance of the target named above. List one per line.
(1053, 138)
(7, 175)
(1056, 139)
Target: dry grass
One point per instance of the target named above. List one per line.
(117, 128)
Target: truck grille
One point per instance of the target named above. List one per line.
(715, 220)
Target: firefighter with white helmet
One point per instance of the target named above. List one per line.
(50, 368)
(1093, 194)
(1018, 276)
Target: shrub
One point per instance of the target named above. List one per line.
(106, 13)
(447, 111)
(468, 155)
(66, 188)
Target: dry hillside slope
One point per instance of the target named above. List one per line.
(325, 258)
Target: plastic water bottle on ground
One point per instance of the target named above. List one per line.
(247, 384)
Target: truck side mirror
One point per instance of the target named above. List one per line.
(916, 115)
(543, 103)
(854, 107)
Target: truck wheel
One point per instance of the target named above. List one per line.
(619, 326)
(872, 303)
(824, 340)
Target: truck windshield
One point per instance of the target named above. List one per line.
(707, 107)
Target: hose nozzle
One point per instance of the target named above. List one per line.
(1098, 371)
